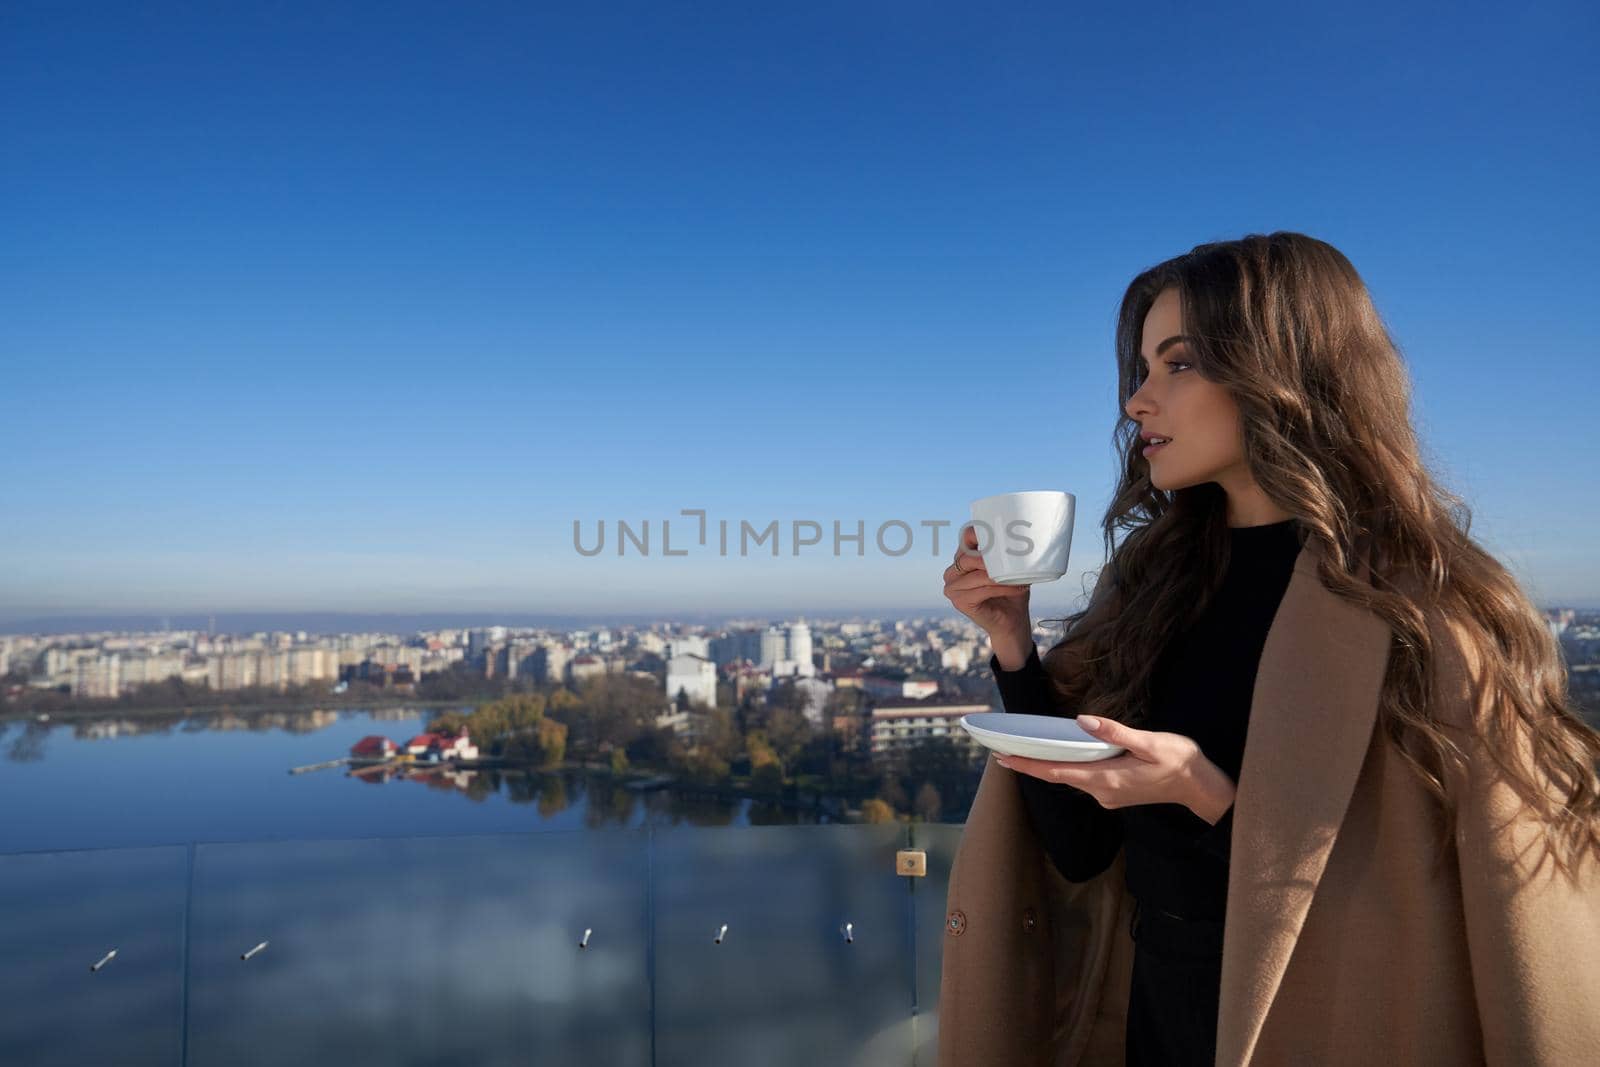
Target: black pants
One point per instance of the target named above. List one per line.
(1177, 976)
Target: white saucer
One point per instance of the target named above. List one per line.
(1047, 737)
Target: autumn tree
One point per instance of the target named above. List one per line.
(876, 811)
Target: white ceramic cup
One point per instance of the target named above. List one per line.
(1024, 538)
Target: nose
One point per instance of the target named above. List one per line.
(1138, 406)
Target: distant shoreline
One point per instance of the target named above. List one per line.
(133, 712)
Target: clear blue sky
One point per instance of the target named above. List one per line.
(358, 307)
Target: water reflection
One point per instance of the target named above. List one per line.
(26, 737)
(607, 803)
(134, 778)
(28, 744)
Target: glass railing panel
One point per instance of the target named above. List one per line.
(938, 841)
(422, 950)
(784, 986)
(64, 998)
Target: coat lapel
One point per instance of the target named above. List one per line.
(1312, 714)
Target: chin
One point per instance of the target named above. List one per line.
(1169, 483)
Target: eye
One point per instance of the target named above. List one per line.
(1172, 365)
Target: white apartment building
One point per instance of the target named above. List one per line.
(97, 677)
(585, 665)
(957, 657)
(231, 670)
(143, 670)
(314, 665)
(696, 675)
(688, 645)
(896, 724)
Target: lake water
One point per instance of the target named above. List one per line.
(130, 782)
(324, 919)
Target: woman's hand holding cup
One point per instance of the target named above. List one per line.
(1002, 610)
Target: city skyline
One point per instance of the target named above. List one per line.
(336, 623)
(311, 312)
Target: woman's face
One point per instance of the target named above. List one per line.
(1173, 401)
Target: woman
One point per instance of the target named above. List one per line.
(1358, 815)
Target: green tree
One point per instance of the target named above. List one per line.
(761, 753)
(788, 731)
(553, 740)
(717, 734)
(448, 722)
(705, 768)
(940, 761)
(612, 709)
(514, 727)
(544, 745)
(658, 746)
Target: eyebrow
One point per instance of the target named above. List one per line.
(1168, 343)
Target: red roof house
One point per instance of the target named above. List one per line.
(373, 746)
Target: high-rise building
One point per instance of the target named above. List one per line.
(556, 658)
(98, 677)
(774, 646)
(800, 647)
(739, 645)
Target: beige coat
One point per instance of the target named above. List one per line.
(1342, 945)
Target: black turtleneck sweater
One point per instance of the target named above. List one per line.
(1201, 688)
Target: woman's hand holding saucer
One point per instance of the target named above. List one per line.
(1157, 768)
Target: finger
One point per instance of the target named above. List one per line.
(972, 579)
(1101, 770)
(1109, 730)
(1059, 772)
(969, 561)
(1081, 770)
(972, 594)
(1054, 770)
(1020, 764)
(975, 580)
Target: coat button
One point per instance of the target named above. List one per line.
(956, 924)
(1030, 919)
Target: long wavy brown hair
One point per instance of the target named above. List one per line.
(1287, 326)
